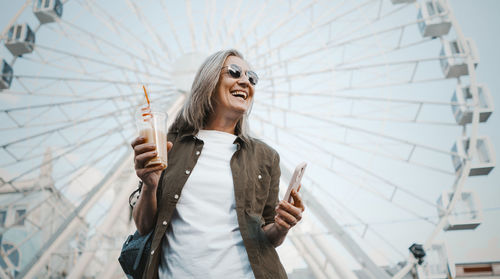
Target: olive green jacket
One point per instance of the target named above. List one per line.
(256, 175)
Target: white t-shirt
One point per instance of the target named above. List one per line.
(204, 239)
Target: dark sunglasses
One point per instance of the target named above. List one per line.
(235, 72)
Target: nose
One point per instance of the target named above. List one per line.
(243, 80)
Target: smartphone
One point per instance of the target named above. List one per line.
(295, 181)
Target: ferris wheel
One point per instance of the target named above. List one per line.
(379, 97)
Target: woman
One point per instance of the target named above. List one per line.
(214, 210)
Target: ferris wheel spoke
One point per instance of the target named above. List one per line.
(368, 227)
(147, 25)
(70, 125)
(189, 14)
(97, 39)
(295, 11)
(253, 25)
(236, 20)
(66, 103)
(340, 39)
(95, 80)
(334, 95)
(76, 147)
(371, 190)
(359, 129)
(401, 159)
(324, 70)
(171, 26)
(114, 25)
(89, 59)
(372, 115)
(317, 25)
(385, 181)
(343, 44)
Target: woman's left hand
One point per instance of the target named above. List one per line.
(288, 214)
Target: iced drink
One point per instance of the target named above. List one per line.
(152, 126)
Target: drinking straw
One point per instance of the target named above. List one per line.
(146, 93)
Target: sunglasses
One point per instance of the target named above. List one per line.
(235, 72)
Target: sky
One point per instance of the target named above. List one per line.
(477, 20)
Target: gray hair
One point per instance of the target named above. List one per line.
(198, 107)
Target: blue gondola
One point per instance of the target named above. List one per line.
(462, 108)
(20, 39)
(7, 74)
(47, 10)
(453, 57)
(433, 20)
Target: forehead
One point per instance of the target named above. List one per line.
(236, 60)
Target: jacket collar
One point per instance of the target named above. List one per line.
(191, 133)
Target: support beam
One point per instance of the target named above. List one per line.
(338, 232)
(112, 217)
(71, 224)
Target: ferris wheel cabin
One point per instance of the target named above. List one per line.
(484, 160)
(462, 108)
(453, 58)
(20, 39)
(432, 19)
(47, 10)
(466, 214)
(7, 74)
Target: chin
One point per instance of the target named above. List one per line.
(240, 111)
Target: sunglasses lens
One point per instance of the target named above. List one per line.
(252, 77)
(234, 71)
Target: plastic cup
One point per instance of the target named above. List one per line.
(152, 125)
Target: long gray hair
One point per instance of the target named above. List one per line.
(198, 107)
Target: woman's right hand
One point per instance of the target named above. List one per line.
(143, 152)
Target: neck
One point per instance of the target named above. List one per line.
(223, 124)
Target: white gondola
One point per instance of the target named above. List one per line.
(20, 39)
(462, 99)
(467, 213)
(47, 10)
(7, 74)
(484, 160)
(453, 58)
(438, 263)
(402, 1)
(433, 19)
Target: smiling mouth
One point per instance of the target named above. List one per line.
(240, 94)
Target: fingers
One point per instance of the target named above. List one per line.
(144, 147)
(282, 225)
(288, 213)
(297, 200)
(290, 208)
(141, 159)
(137, 140)
(169, 145)
(287, 217)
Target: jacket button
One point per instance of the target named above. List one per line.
(176, 196)
(260, 176)
(187, 171)
(152, 252)
(164, 223)
(197, 152)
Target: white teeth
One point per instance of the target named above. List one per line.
(239, 94)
